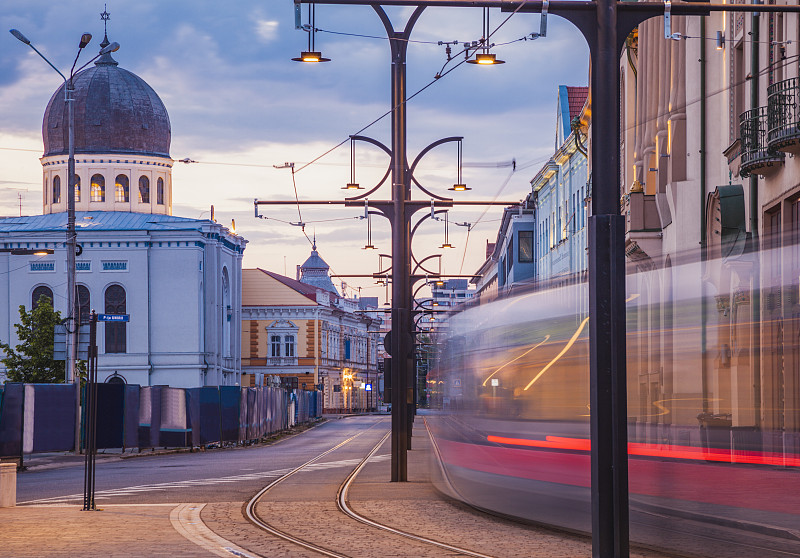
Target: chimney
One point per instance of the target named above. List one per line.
(489, 249)
(298, 272)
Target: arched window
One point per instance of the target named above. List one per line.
(160, 191)
(84, 303)
(275, 344)
(144, 189)
(98, 188)
(115, 303)
(56, 189)
(46, 184)
(39, 292)
(226, 319)
(122, 188)
(289, 341)
(77, 189)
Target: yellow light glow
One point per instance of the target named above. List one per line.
(546, 337)
(310, 58)
(566, 348)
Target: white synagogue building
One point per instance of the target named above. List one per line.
(178, 279)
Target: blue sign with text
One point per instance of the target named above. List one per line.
(113, 317)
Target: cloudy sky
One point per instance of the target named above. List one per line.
(238, 105)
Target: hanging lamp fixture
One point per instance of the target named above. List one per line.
(352, 185)
(485, 58)
(368, 217)
(446, 243)
(310, 55)
(459, 186)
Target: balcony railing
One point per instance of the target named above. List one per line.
(783, 114)
(757, 157)
(281, 361)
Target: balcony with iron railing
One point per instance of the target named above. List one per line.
(757, 156)
(783, 115)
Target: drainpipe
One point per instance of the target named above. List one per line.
(149, 313)
(754, 211)
(704, 302)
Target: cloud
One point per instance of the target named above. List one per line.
(267, 30)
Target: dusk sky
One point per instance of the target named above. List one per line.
(238, 105)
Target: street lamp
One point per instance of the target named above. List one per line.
(71, 245)
(27, 251)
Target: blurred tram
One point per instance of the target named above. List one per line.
(713, 414)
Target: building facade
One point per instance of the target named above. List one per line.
(544, 238)
(709, 175)
(310, 335)
(178, 279)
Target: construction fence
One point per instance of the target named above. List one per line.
(39, 418)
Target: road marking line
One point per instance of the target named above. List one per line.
(190, 483)
(185, 518)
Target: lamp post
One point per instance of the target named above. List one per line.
(73, 312)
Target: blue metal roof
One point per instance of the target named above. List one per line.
(100, 221)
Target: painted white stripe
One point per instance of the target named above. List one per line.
(185, 518)
(156, 487)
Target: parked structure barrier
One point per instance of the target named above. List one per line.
(37, 418)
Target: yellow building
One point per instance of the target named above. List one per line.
(293, 329)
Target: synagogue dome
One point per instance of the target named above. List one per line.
(116, 112)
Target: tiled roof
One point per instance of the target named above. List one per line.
(308, 291)
(576, 98)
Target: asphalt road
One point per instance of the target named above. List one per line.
(223, 475)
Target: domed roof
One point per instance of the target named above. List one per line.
(314, 271)
(115, 112)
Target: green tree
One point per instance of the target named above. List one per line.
(32, 359)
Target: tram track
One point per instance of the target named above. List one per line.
(343, 505)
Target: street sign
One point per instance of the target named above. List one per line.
(367, 387)
(495, 382)
(60, 342)
(113, 317)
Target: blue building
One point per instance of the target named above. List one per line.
(560, 191)
(545, 237)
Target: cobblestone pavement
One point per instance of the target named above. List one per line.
(116, 531)
(417, 507)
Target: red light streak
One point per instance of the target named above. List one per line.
(666, 450)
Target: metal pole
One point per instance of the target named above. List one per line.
(401, 264)
(608, 397)
(74, 324)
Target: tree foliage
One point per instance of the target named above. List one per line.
(31, 361)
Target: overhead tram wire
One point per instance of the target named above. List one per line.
(390, 111)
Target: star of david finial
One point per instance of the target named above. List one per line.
(105, 16)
